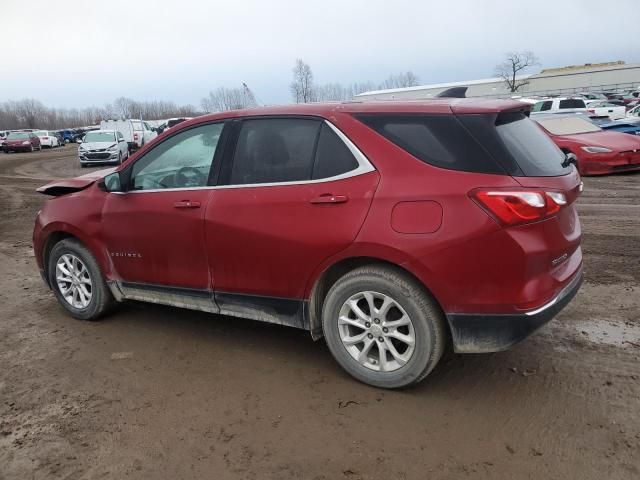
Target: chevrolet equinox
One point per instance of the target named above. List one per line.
(392, 229)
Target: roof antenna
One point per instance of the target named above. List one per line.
(453, 92)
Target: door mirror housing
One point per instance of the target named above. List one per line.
(112, 182)
(79, 141)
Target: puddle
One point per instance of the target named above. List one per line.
(609, 332)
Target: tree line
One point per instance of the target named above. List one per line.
(31, 113)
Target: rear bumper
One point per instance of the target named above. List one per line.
(484, 333)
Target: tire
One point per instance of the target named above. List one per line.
(31, 149)
(409, 364)
(119, 158)
(100, 299)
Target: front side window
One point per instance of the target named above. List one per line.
(275, 150)
(181, 161)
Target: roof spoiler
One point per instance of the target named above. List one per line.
(453, 92)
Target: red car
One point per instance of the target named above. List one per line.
(21, 141)
(393, 229)
(596, 151)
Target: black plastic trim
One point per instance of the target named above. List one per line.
(484, 333)
(283, 311)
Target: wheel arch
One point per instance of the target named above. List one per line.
(335, 271)
(61, 232)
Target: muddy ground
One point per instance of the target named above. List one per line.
(155, 392)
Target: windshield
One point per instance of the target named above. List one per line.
(568, 125)
(100, 137)
(17, 135)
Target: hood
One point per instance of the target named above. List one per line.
(97, 145)
(70, 185)
(616, 141)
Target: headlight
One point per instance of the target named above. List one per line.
(113, 149)
(26, 142)
(596, 149)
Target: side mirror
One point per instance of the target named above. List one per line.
(112, 183)
(78, 141)
(122, 140)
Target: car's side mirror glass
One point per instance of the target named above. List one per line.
(112, 182)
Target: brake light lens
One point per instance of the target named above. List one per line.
(135, 136)
(515, 207)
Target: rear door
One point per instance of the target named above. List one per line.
(297, 191)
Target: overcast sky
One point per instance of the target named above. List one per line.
(81, 53)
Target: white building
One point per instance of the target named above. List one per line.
(563, 80)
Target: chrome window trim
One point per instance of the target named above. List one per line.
(364, 166)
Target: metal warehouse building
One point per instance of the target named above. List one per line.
(550, 81)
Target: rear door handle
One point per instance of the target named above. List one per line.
(186, 204)
(329, 198)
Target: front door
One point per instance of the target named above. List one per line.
(154, 230)
(296, 194)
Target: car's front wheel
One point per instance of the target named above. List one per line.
(77, 282)
(382, 327)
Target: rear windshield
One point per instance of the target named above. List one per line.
(572, 103)
(568, 125)
(508, 143)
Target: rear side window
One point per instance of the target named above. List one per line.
(572, 103)
(439, 140)
(542, 106)
(333, 157)
(518, 144)
(275, 150)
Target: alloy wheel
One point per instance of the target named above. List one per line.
(74, 281)
(376, 331)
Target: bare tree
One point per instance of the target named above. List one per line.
(401, 80)
(302, 84)
(224, 99)
(514, 65)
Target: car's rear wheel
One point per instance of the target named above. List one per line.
(77, 282)
(382, 327)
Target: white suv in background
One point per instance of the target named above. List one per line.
(103, 146)
(135, 132)
(47, 139)
(560, 105)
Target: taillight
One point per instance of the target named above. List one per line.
(591, 110)
(515, 207)
(135, 136)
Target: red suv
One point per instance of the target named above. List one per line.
(393, 229)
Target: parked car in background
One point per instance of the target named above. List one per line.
(21, 142)
(103, 146)
(58, 134)
(606, 109)
(591, 96)
(621, 126)
(596, 151)
(170, 123)
(47, 139)
(560, 105)
(633, 115)
(332, 218)
(136, 132)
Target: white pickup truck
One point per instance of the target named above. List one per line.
(135, 132)
(560, 105)
(605, 109)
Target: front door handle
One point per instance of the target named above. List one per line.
(186, 204)
(329, 198)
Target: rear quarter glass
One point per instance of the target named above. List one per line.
(502, 144)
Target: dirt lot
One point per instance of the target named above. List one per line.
(155, 392)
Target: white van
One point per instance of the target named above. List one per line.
(135, 132)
